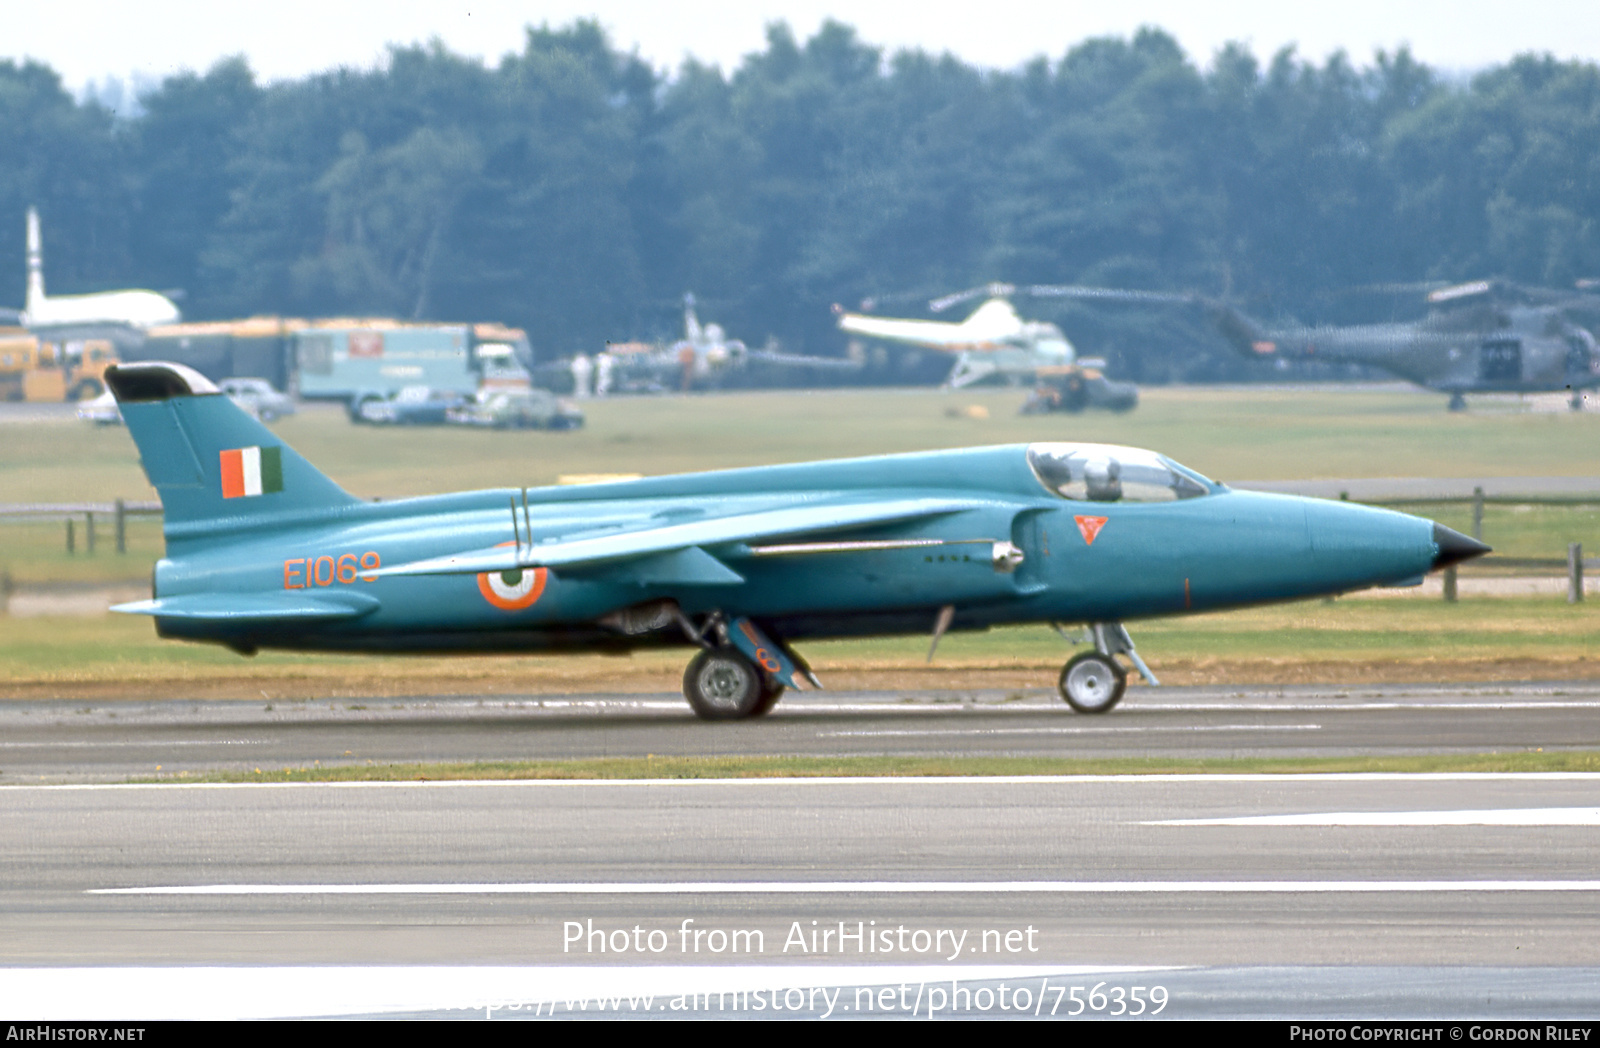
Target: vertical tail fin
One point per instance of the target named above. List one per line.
(35, 263)
(1246, 334)
(691, 322)
(216, 468)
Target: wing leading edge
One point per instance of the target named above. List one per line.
(647, 544)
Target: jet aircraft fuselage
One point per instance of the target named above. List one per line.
(264, 551)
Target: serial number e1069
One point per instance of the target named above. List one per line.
(328, 570)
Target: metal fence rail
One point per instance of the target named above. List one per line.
(119, 510)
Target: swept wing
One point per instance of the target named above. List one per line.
(652, 539)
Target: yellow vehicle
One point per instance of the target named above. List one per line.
(52, 371)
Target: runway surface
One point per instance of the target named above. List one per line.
(68, 741)
(1289, 896)
(961, 879)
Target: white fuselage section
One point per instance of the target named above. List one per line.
(992, 341)
(105, 314)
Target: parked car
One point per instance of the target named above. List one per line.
(410, 406)
(257, 396)
(519, 409)
(251, 394)
(102, 410)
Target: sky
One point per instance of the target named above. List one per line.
(140, 43)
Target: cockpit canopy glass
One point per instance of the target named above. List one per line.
(1108, 473)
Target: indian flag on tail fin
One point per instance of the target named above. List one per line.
(251, 471)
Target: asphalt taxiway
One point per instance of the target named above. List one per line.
(75, 741)
(1351, 896)
(1306, 888)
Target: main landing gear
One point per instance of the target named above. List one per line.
(721, 684)
(740, 672)
(1094, 681)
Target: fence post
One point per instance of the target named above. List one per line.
(1450, 584)
(72, 543)
(1477, 514)
(1574, 572)
(122, 526)
(88, 532)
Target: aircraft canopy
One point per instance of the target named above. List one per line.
(1109, 473)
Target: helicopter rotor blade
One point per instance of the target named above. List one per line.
(1078, 291)
(1397, 287)
(995, 290)
(1108, 294)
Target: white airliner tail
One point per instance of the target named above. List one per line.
(35, 264)
(104, 314)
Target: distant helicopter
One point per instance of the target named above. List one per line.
(995, 341)
(699, 360)
(1485, 336)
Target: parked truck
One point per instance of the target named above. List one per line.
(256, 347)
(347, 358)
(34, 370)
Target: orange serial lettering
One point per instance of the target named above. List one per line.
(346, 568)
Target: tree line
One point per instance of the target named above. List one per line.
(574, 190)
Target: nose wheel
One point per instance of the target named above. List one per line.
(1093, 683)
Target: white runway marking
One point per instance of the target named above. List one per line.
(1107, 729)
(1361, 706)
(131, 742)
(866, 887)
(1465, 817)
(488, 991)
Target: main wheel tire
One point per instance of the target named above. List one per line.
(722, 685)
(1093, 683)
(771, 692)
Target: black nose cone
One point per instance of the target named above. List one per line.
(1454, 547)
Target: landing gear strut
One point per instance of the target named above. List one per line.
(1457, 403)
(1093, 682)
(723, 682)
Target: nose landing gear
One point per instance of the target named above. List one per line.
(1093, 682)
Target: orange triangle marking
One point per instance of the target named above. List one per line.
(1090, 526)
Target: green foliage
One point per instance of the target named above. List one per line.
(576, 191)
(65, 159)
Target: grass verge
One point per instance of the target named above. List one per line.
(891, 767)
(1351, 641)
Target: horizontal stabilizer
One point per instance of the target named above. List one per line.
(255, 607)
(648, 540)
(692, 566)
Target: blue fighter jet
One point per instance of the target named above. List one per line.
(264, 551)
